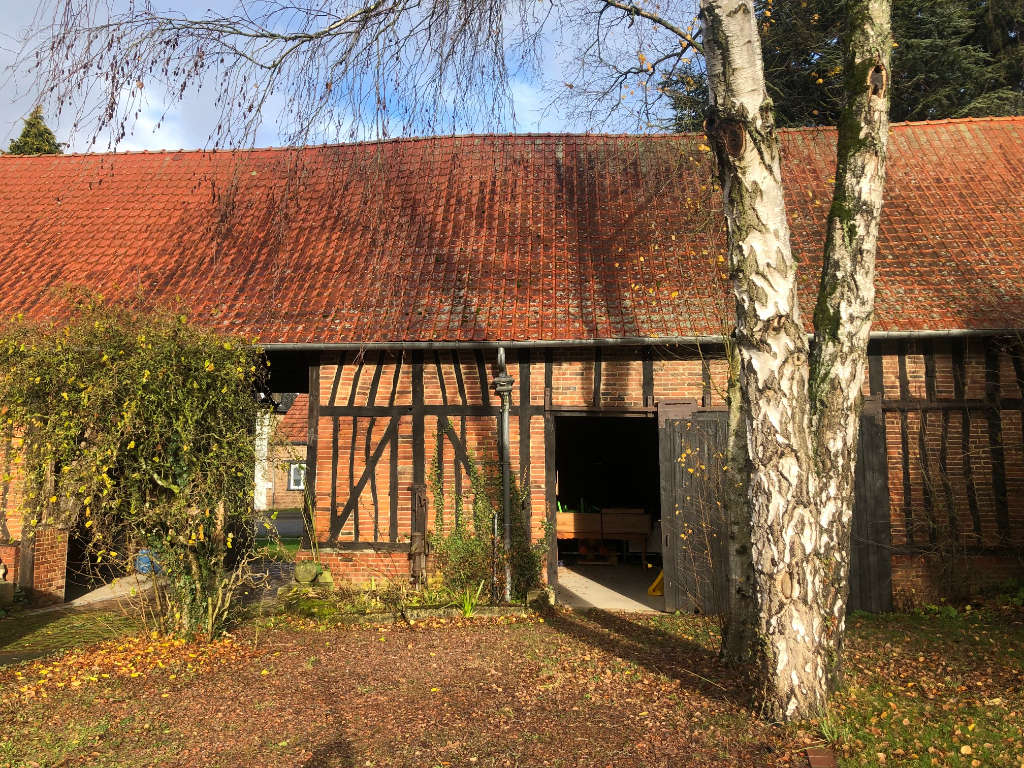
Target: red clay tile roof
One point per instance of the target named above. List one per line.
(497, 238)
(294, 424)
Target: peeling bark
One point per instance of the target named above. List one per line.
(846, 301)
(800, 428)
(773, 360)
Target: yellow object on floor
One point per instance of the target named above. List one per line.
(658, 587)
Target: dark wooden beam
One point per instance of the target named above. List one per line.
(393, 470)
(947, 487)
(418, 414)
(550, 475)
(356, 375)
(648, 377)
(366, 546)
(959, 357)
(926, 476)
(371, 398)
(908, 503)
(608, 410)
(904, 379)
(876, 380)
(353, 500)
(312, 445)
(947, 405)
(440, 376)
(993, 393)
(705, 376)
(339, 363)
(929, 371)
(460, 381)
(481, 372)
(334, 477)
(451, 410)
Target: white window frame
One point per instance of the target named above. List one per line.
(292, 484)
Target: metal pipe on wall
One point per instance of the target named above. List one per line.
(503, 386)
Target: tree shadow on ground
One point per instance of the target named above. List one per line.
(693, 665)
(336, 753)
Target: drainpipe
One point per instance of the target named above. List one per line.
(503, 386)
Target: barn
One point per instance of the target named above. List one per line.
(385, 280)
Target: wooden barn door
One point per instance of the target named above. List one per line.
(870, 539)
(692, 449)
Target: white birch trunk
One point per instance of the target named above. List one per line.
(801, 431)
(846, 299)
(774, 368)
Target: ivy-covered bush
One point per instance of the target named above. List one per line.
(467, 553)
(138, 429)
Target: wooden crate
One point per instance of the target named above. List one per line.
(578, 525)
(625, 523)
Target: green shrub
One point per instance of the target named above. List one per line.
(468, 554)
(463, 558)
(139, 430)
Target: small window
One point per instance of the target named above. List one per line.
(297, 476)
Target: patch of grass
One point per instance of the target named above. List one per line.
(327, 605)
(281, 549)
(42, 633)
(937, 687)
(53, 746)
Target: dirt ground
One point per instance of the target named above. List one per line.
(563, 689)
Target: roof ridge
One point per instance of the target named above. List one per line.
(494, 135)
(369, 142)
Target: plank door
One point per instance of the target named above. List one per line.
(692, 450)
(693, 525)
(870, 537)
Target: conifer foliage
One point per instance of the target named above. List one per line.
(36, 137)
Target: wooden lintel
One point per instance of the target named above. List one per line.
(607, 410)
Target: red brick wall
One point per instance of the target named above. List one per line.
(10, 489)
(50, 565)
(938, 509)
(572, 384)
(362, 567)
(676, 375)
(923, 579)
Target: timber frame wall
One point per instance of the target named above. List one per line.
(954, 420)
(382, 422)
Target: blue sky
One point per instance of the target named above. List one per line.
(190, 122)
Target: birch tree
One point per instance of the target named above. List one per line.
(800, 405)
(337, 67)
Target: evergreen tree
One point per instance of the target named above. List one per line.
(954, 58)
(36, 137)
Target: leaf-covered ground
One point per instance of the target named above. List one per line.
(560, 690)
(942, 689)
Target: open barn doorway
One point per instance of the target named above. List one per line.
(608, 511)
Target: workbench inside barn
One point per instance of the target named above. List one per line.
(612, 523)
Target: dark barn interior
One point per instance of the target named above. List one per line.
(609, 502)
